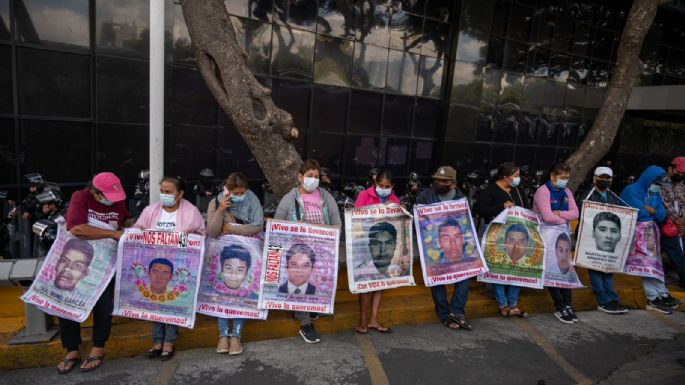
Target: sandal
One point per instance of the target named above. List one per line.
(381, 329)
(68, 364)
(98, 362)
(514, 311)
(361, 330)
(450, 324)
(505, 311)
(460, 319)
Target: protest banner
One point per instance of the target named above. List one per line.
(644, 257)
(73, 276)
(299, 267)
(448, 242)
(559, 271)
(229, 287)
(513, 249)
(605, 234)
(158, 276)
(378, 249)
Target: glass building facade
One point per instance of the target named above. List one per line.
(402, 84)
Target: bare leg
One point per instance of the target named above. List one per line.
(375, 304)
(364, 301)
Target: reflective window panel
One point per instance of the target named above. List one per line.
(333, 61)
(122, 27)
(57, 23)
(292, 53)
(122, 90)
(402, 72)
(370, 65)
(329, 109)
(123, 149)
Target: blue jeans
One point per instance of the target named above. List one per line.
(224, 327)
(603, 286)
(456, 304)
(162, 333)
(653, 288)
(506, 295)
(672, 248)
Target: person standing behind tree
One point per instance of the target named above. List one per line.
(555, 204)
(503, 194)
(380, 193)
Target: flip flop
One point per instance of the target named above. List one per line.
(360, 330)
(460, 320)
(381, 329)
(514, 311)
(66, 362)
(450, 324)
(505, 312)
(98, 359)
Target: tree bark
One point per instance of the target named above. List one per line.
(267, 129)
(628, 66)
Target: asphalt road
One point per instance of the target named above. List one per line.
(640, 347)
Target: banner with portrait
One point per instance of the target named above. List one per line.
(559, 271)
(158, 276)
(378, 245)
(513, 249)
(448, 242)
(229, 287)
(299, 267)
(73, 276)
(605, 233)
(644, 257)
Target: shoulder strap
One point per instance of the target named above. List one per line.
(591, 191)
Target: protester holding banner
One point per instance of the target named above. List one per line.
(497, 196)
(555, 204)
(308, 203)
(171, 213)
(380, 193)
(236, 210)
(644, 195)
(673, 194)
(603, 283)
(96, 212)
(451, 313)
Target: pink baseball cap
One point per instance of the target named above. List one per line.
(679, 164)
(110, 186)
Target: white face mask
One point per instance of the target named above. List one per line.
(310, 184)
(167, 200)
(515, 181)
(383, 192)
(105, 202)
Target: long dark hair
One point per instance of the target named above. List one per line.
(506, 169)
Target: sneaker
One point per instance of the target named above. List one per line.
(620, 308)
(657, 304)
(563, 316)
(610, 308)
(671, 302)
(309, 334)
(222, 346)
(236, 347)
(572, 313)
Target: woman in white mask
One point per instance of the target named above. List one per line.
(171, 213)
(380, 193)
(308, 203)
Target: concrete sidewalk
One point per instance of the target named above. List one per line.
(636, 348)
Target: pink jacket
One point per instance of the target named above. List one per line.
(188, 218)
(541, 206)
(369, 197)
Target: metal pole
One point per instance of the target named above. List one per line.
(156, 96)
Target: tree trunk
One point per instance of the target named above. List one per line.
(267, 129)
(628, 66)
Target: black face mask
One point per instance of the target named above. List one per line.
(441, 188)
(603, 184)
(677, 178)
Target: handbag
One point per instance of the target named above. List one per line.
(669, 229)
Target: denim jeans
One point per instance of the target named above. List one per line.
(162, 333)
(456, 304)
(675, 253)
(603, 286)
(506, 295)
(653, 288)
(236, 331)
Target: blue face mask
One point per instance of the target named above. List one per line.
(105, 202)
(167, 200)
(515, 181)
(561, 183)
(237, 198)
(654, 188)
(383, 192)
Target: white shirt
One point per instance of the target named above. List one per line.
(167, 221)
(292, 288)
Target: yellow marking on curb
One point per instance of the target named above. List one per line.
(166, 371)
(668, 321)
(552, 353)
(373, 363)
